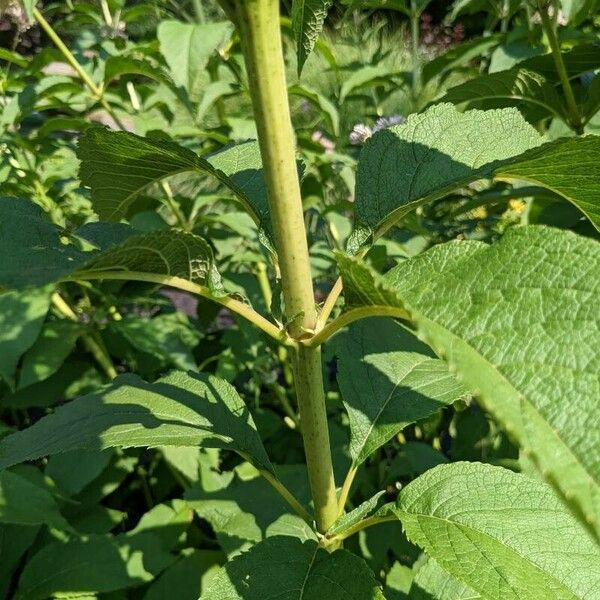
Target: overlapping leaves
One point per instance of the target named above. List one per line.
(519, 323)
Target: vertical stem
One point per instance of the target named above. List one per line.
(258, 22)
(200, 16)
(550, 30)
(415, 17)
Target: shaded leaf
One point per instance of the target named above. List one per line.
(293, 570)
(22, 502)
(178, 410)
(388, 380)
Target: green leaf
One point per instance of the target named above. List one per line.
(374, 506)
(515, 84)
(22, 502)
(187, 48)
(178, 410)
(433, 583)
(503, 534)
(285, 567)
(388, 380)
(136, 163)
(327, 108)
(248, 510)
(37, 253)
(55, 343)
(187, 578)
(568, 166)
(308, 17)
(22, 315)
(458, 56)
(440, 150)
(117, 66)
(580, 59)
(92, 565)
(15, 540)
(73, 471)
(502, 316)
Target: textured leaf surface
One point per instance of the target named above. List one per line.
(178, 410)
(505, 535)
(136, 163)
(38, 256)
(519, 322)
(22, 502)
(308, 17)
(441, 150)
(388, 379)
(433, 583)
(284, 567)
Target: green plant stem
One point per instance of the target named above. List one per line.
(415, 39)
(549, 26)
(349, 317)
(369, 522)
(183, 284)
(199, 11)
(172, 205)
(258, 22)
(263, 282)
(329, 304)
(288, 497)
(95, 347)
(95, 90)
(345, 490)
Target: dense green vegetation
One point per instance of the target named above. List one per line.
(348, 349)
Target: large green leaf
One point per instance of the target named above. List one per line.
(308, 17)
(22, 502)
(433, 583)
(178, 410)
(284, 567)
(580, 59)
(22, 315)
(136, 163)
(187, 48)
(519, 323)
(388, 379)
(516, 84)
(441, 150)
(41, 254)
(505, 535)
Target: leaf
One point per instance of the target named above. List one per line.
(374, 506)
(308, 17)
(248, 510)
(569, 167)
(388, 379)
(187, 578)
(22, 315)
(440, 150)
(91, 565)
(285, 567)
(515, 84)
(22, 502)
(580, 59)
(367, 76)
(459, 55)
(15, 540)
(433, 583)
(37, 253)
(502, 316)
(187, 48)
(137, 163)
(501, 533)
(55, 343)
(326, 107)
(432, 154)
(73, 471)
(178, 410)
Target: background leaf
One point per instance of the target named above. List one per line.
(308, 17)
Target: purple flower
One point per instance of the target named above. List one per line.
(360, 134)
(385, 122)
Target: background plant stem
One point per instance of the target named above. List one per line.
(259, 25)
